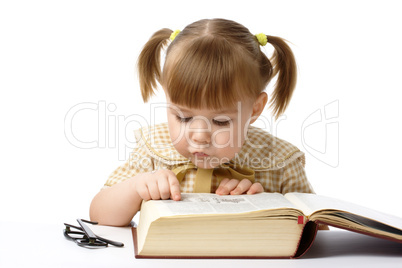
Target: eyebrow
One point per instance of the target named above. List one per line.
(226, 111)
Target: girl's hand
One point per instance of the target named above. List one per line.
(159, 184)
(236, 187)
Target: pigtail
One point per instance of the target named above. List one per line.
(284, 65)
(149, 64)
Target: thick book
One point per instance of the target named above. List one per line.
(266, 225)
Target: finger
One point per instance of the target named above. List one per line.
(228, 187)
(154, 190)
(255, 188)
(164, 188)
(174, 187)
(242, 187)
(143, 192)
(221, 185)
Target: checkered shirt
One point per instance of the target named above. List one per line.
(278, 165)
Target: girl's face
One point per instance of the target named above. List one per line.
(210, 138)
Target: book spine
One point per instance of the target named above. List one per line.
(307, 238)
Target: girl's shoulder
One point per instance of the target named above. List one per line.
(263, 151)
(155, 140)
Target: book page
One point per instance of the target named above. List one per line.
(204, 203)
(310, 203)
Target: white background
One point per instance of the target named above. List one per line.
(55, 55)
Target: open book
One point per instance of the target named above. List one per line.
(266, 225)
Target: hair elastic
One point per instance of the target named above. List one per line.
(262, 39)
(174, 34)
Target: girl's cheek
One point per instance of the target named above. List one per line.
(226, 140)
(178, 140)
(221, 139)
(174, 130)
(181, 146)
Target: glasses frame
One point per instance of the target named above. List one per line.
(89, 239)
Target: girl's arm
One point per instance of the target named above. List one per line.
(117, 205)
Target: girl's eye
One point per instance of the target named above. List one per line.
(183, 119)
(221, 123)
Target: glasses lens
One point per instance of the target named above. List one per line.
(73, 235)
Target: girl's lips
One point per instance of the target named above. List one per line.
(199, 154)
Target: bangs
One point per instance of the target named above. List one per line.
(210, 73)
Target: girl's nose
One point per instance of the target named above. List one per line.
(201, 138)
(200, 131)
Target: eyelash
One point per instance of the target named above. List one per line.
(183, 119)
(188, 119)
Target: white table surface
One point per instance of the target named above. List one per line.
(38, 245)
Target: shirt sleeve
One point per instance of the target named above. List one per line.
(294, 178)
(139, 162)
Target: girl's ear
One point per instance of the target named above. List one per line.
(259, 106)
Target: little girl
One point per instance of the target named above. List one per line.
(214, 76)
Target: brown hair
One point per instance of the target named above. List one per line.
(215, 63)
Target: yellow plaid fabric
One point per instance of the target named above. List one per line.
(278, 165)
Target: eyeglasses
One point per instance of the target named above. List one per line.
(84, 237)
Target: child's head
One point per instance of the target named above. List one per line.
(215, 72)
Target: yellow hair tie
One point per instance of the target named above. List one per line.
(174, 34)
(262, 39)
